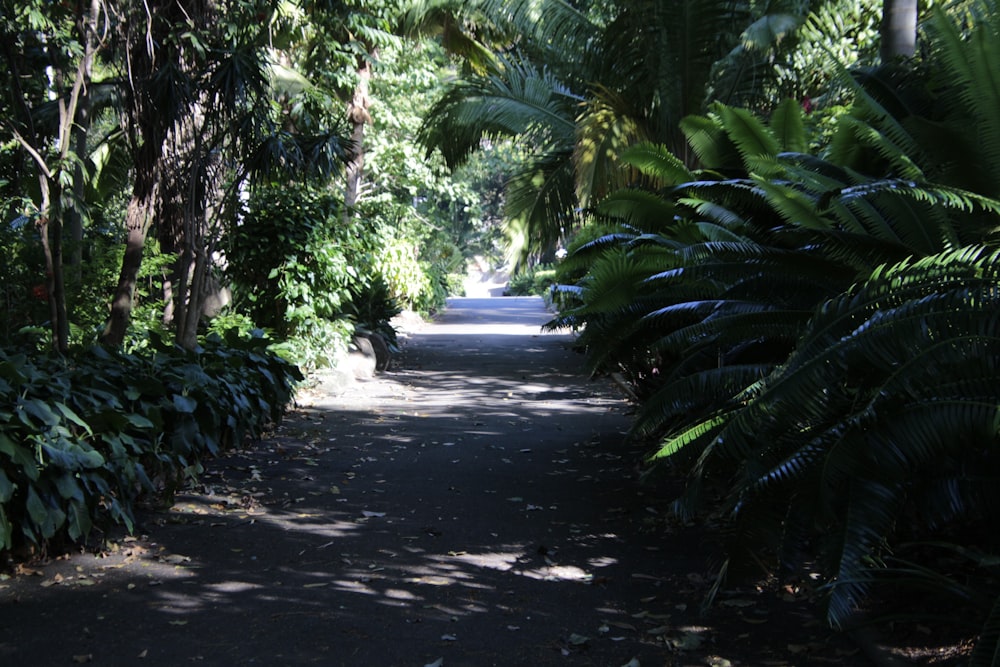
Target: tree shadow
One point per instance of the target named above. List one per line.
(479, 505)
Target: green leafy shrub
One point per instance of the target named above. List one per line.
(814, 336)
(293, 262)
(373, 308)
(82, 438)
(536, 281)
(22, 280)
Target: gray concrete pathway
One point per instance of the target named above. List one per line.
(477, 505)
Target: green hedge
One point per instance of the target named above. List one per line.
(82, 438)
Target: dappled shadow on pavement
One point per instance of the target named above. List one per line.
(477, 505)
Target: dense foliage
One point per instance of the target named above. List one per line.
(812, 333)
(137, 217)
(83, 438)
(791, 264)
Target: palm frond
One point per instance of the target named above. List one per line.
(657, 162)
(696, 436)
(640, 208)
(788, 128)
(603, 134)
(987, 650)
(970, 63)
(753, 139)
(871, 512)
(710, 143)
(701, 392)
(540, 205)
(516, 100)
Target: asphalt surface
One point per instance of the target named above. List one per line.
(478, 504)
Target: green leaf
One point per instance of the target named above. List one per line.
(69, 486)
(787, 126)
(38, 409)
(184, 404)
(20, 455)
(6, 487)
(139, 421)
(749, 134)
(69, 414)
(37, 511)
(79, 521)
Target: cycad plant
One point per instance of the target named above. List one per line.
(817, 335)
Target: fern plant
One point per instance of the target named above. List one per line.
(816, 334)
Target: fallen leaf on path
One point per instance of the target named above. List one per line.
(622, 626)
(577, 640)
(437, 663)
(634, 662)
(80, 659)
(175, 559)
(689, 641)
(449, 638)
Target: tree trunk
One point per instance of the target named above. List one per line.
(50, 234)
(74, 216)
(898, 30)
(357, 114)
(146, 39)
(138, 220)
(87, 28)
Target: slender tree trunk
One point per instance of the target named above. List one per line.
(138, 220)
(57, 291)
(87, 28)
(898, 30)
(357, 114)
(74, 216)
(50, 233)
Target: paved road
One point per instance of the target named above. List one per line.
(474, 506)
